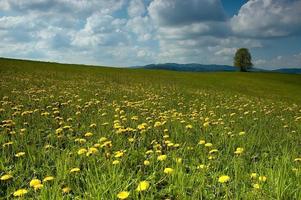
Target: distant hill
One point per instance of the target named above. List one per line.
(289, 71)
(194, 67)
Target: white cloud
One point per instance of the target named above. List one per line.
(280, 61)
(179, 12)
(136, 8)
(77, 7)
(141, 27)
(268, 18)
(109, 33)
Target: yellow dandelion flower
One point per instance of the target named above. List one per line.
(66, 189)
(20, 192)
(213, 151)
(123, 195)
(256, 186)
(189, 126)
(7, 144)
(149, 152)
(208, 145)
(223, 179)
(201, 166)
(262, 178)
(297, 159)
(162, 157)
(48, 178)
(253, 175)
(82, 151)
(239, 151)
(118, 154)
(242, 133)
(88, 134)
(38, 187)
(142, 186)
(157, 124)
(34, 182)
(202, 142)
(92, 150)
(146, 163)
(115, 162)
(206, 124)
(168, 170)
(179, 160)
(76, 169)
(6, 177)
(20, 154)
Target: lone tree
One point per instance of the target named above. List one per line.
(243, 59)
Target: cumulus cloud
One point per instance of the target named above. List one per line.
(137, 32)
(280, 61)
(78, 7)
(141, 27)
(179, 12)
(268, 18)
(136, 8)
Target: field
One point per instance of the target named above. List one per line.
(84, 132)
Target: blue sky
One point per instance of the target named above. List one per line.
(138, 32)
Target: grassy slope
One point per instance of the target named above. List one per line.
(266, 107)
(276, 86)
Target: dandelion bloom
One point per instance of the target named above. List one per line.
(7, 144)
(115, 162)
(201, 166)
(142, 186)
(256, 186)
(253, 175)
(202, 142)
(239, 150)
(20, 154)
(76, 169)
(262, 178)
(223, 179)
(88, 134)
(162, 157)
(34, 182)
(92, 150)
(168, 170)
(66, 189)
(82, 151)
(297, 159)
(208, 145)
(206, 124)
(38, 186)
(189, 126)
(213, 151)
(123, 195)
(6, 177)
(48, 178)
(118, 154)
(146, 163)
(20, 192)
(242, 133)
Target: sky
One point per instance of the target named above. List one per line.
(125, 33)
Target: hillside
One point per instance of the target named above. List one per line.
(259, 85)
(194, 67)
(88, 132)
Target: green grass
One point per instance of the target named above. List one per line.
(45, 108)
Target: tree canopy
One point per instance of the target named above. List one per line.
(243, 59)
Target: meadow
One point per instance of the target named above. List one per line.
(86, 132)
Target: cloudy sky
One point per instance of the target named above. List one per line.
(138, 32)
